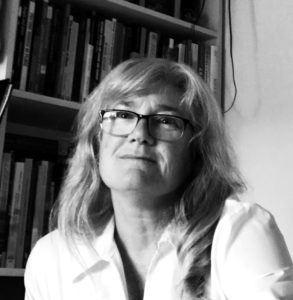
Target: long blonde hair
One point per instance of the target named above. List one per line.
(84, 205)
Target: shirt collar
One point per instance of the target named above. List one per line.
(104, 247)
(89, 256)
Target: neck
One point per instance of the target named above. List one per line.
(140, 221)
(141, 216)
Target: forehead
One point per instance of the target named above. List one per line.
(166, 101)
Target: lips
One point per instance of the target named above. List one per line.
(138, 157)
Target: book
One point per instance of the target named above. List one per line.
(97, 55)
(53, 52)
(42, 70)
(201, 60)
(24, 204)
(5, 183)
(181, 52)
(30, 212)
(65, 36)
(207, 61)
(87, 58)
(169, 50)
(66, 92)
(38, 41)
(82, 20)
(143, 41)
(194, 56)
(43, 182)
(118, 44)
(214, 70)
(187, 52)
(108, 37)
(27, 45)
(152, 44)
(112, 44)
(14, 215)
(19, 42)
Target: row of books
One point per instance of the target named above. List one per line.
(64, 53)
(26, 197)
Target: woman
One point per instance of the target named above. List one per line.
(146, 210)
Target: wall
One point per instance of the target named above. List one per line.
(261, 121)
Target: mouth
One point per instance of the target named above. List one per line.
(138, 157)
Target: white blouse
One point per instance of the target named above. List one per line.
(249, 260)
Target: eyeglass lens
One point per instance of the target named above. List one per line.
(122, 123)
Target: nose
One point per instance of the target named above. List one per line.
(141, 133)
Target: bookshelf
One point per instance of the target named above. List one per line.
(35, 115)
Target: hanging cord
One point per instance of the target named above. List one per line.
(200, 11)
(231, 57)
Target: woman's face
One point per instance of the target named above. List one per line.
(143, 164)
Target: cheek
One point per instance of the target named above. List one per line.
(105, 157)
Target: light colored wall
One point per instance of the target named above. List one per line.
(261, 122)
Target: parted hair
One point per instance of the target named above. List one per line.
(84, 204)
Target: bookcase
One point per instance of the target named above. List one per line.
(43, 117)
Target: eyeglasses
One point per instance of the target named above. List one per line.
(161, 126)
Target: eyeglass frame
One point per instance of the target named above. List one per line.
(142, 116)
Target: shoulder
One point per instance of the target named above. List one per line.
(246, 222)
(49, 244)
(248, 247)
(236, 211)
(47, 251)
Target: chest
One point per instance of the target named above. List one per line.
(111, 282)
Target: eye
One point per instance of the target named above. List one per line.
(124, 115)
(166, 120)
(169, 122)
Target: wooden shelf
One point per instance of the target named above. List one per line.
(133, 13)
(9, 272)
(46, 113)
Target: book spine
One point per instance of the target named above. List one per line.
(44, 51)
(187, 52)
(25, 193)
(152, 46)
(79, 59)
(181, 52)
(112, 44)
(27, 45)
(194, 56)
(143, 41)
(87, 60)
(30, 212)
(53, 52)
(201, 60)
(214, 70)
(207, 62)
(67, 19)
(37, 44)
(64, 72)
(100, 51)
(5, 180)
(96, 63)
(19, 45)
(106, 48)
(70, 62)
(14, 218)
(40, 201)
